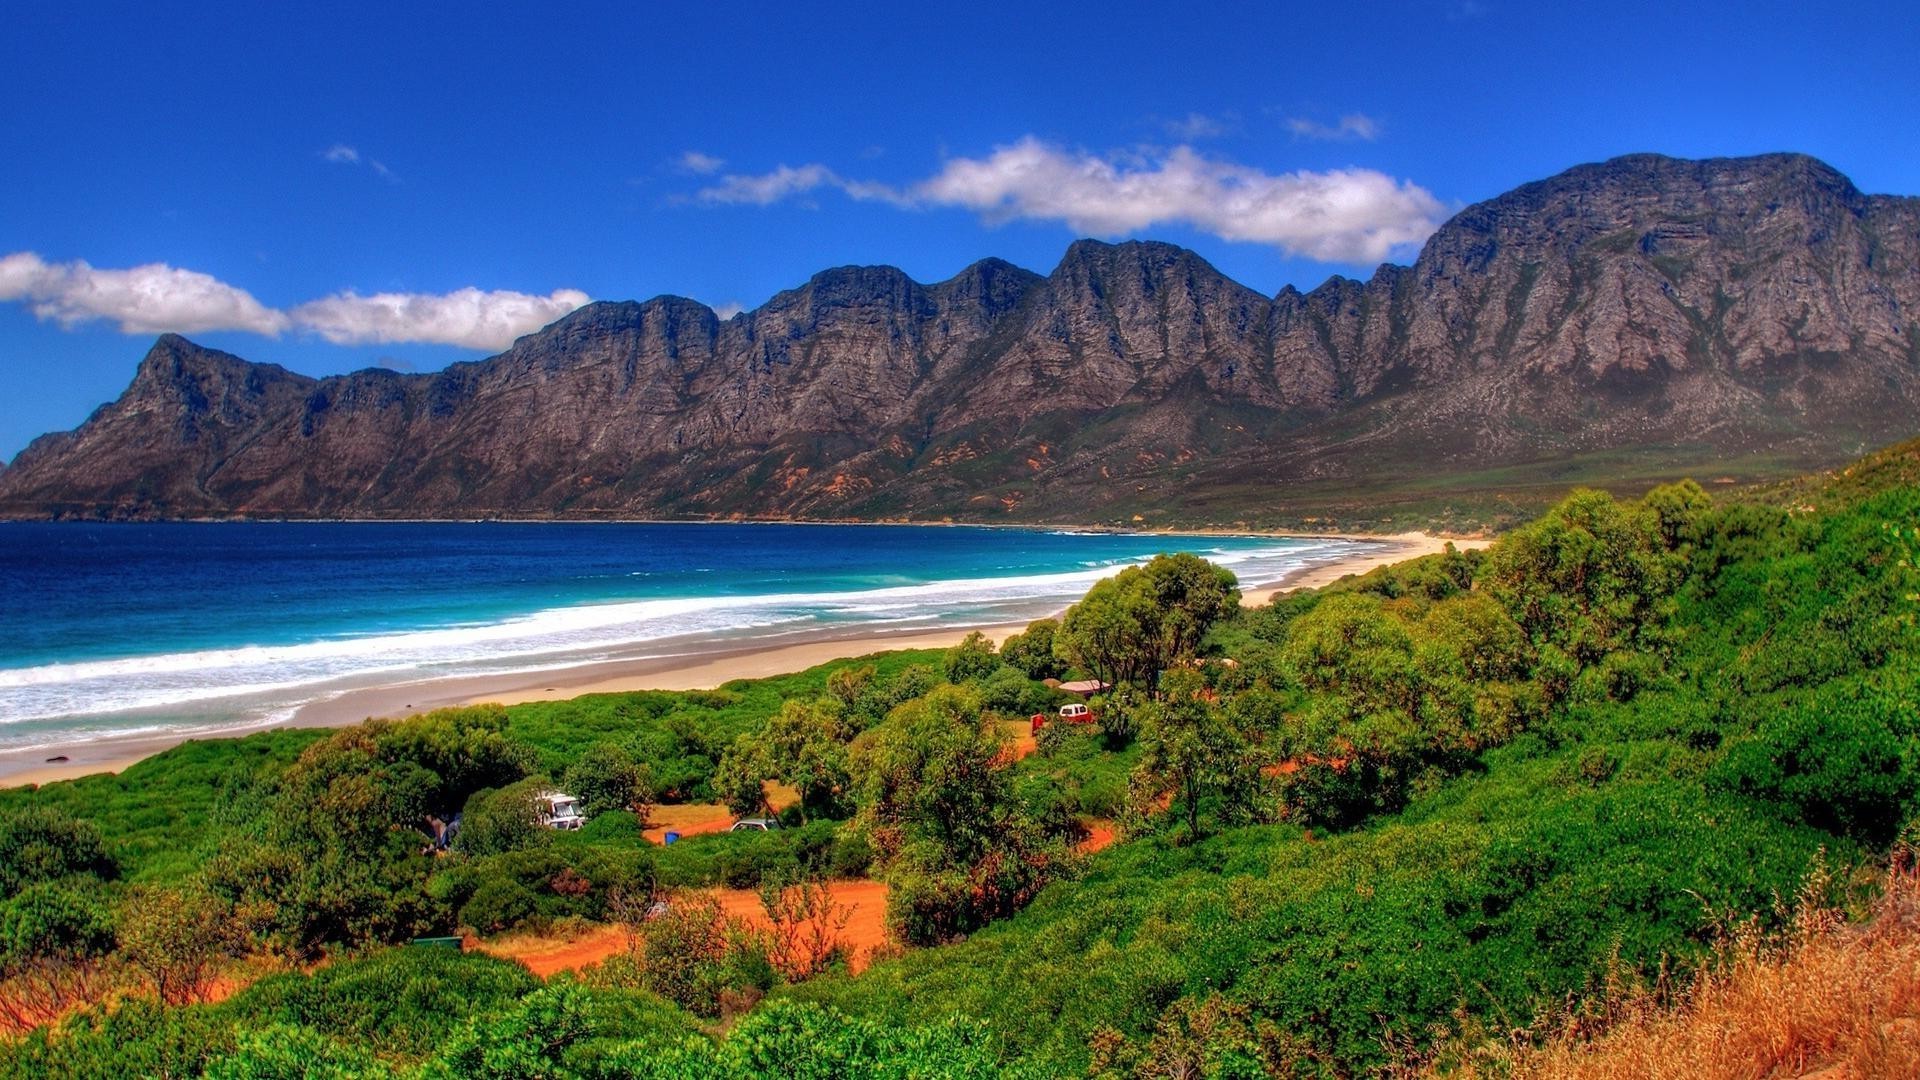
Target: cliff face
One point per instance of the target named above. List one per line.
(1644, 308)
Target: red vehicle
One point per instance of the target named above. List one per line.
(1069, 714)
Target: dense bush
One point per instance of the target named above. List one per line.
(1032, 651)
(1844, 761)
(40, 844)
(398, 1002)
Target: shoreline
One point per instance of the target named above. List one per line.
(695, 670)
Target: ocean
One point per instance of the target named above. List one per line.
(113, 631)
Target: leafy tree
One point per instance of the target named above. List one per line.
(937, 800)
(973, 658)
(504, 820)
(1190, 749)
(1592, 577)
(606, 778)
(1134, 625)
(806, 747)
(1350, 648)
(740, 780)
(1032, 650)
(846, 684)
(177, 938)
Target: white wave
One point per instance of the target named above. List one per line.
(279, 677)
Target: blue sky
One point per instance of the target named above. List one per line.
(332, 186)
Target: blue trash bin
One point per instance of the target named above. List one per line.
(672, 836)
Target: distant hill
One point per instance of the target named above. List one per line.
(1617, 324)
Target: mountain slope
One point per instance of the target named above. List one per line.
(1619, 322)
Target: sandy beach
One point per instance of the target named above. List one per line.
(688, 671)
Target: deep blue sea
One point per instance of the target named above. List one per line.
(124, 629)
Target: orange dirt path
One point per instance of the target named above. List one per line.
(1100, 835)
(687, 819)
(866, 930)
(692, 819)
(866, 902)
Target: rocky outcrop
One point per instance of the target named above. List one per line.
(1644, 316)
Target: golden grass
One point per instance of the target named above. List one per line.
(1825, 999)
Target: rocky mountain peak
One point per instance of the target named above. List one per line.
(1644, 308)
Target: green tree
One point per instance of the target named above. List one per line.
(937, 800)
(806, 744)
(1189, 749)
(606, 778)
(740, 780)
(1032, 650)
(973, 658)
(1592, 577)
(177, 938)
(505, 820)
(1145, 619)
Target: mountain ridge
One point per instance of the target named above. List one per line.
(1618, 321)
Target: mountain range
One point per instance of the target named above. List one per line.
(1618, 323)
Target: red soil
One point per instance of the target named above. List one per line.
(865, 931)
(544, 956)
(1100, 835)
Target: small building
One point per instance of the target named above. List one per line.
(1085, 687)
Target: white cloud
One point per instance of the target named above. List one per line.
(342, 154)
(766, 189)
(1351, 126)
(143, 300)
(468, 317)
(158, 298)
(729, 309)
(785, 182)
(700, 164)
(1195, 126)
(1341, 215)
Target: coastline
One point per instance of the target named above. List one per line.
(696, 670)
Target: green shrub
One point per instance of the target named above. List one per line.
(40, 843)
(498, 904)
(973, 658)
(1842, 761)
(398, 1001)
(53, 921)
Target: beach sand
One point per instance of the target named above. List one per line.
(691, 671)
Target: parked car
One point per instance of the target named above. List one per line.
(559, 810)
(755, 824)
(1075, 713)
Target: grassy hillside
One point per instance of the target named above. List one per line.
(1442, 799)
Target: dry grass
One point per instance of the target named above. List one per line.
(1825, 999)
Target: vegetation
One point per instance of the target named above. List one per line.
(1364, 828)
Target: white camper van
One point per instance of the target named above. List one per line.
(559, 811)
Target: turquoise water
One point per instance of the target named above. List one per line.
(113, 630)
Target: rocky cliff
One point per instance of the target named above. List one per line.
(1616, 323)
